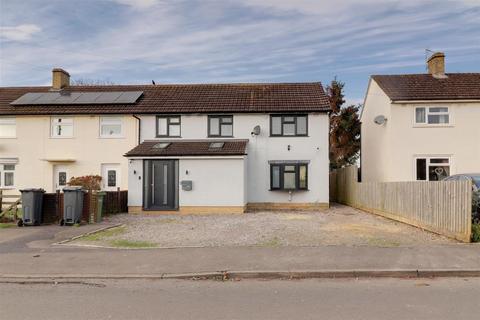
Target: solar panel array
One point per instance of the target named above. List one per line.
(65, 98)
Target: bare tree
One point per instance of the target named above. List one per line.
(91, 82)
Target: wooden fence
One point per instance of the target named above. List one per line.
(115, 202)
(443, 207)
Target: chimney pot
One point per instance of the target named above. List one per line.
(436, 65)
(60, 79)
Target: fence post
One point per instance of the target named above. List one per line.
(57, 205)
(118, 200)
(1, 200)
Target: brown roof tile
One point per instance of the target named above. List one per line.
(147, 148)
(457, 86)
(188, 98)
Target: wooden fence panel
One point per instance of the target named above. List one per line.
(443, 207)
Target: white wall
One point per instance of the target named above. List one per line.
(218, 182)
(35, 150)
(375, 149)
(388, 151)
(263, 148)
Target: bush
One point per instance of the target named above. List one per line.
(476, 232)
(91, 182)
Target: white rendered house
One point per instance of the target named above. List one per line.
(233, 147)
(421, 126)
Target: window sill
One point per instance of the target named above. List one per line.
(298, 136)
(433, 125)
(289, 190)
(118, 137)
(220, 137)
(8, 188)
(167, 137)
(62, 137)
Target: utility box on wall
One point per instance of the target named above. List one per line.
(186, 185)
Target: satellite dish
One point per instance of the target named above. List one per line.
(380, 119)
(256, 131)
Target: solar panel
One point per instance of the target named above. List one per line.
(67, 97)
(88, 97)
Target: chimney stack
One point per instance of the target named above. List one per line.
(436, 65)
(60, 79)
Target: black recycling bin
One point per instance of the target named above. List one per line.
(72, 205)
(32, 201)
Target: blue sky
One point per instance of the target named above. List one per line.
(200, 41)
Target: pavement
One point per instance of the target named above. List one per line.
(365, 299)
(36, 256)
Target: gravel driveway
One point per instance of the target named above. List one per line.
(339, 225)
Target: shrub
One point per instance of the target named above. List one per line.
(476, 232)
(91, 182)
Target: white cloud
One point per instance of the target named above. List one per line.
(138, 4)
(19, 33)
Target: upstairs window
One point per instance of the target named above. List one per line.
(220, 126)
(432, 169)
(432, 115)
(111, 127)
(288, 125)
(7, 175)
(62, 127)
(288, 176)
(168, 126)
(8, 127)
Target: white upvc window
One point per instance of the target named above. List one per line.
(111, 127)
(432, 168)
(62, 127)
(7, 175)
(8, 127)
(434, 116)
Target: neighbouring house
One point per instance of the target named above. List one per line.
(421, 126)
(232, 147)
(49, 134)
(197, 148)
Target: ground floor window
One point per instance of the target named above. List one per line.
(288, 176)
(432, 168)
(7, 175)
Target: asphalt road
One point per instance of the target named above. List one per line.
(306, 299)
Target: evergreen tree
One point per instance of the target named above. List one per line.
(344, 128)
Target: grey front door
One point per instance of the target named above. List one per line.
(160, 185)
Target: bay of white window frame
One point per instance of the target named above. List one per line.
(9, 121)
(426, 124)
(2, 176)
(54, 122)
(120, 135)
(450, 164)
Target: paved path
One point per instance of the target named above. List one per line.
(160, 261)
(391, 299)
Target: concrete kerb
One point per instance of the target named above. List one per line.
(63, 242)
(240, 275)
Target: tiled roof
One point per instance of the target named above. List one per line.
(456, 86)
(188, 98)
(151, 148)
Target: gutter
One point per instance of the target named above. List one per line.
(434, 101)
(139, 126)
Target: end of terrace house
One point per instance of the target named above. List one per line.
(186, 148)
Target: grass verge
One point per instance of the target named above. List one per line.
(105, 234)
(121, 243)
(7, 225)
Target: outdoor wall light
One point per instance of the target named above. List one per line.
(134, 171)
(289, 147)
(186, 172)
